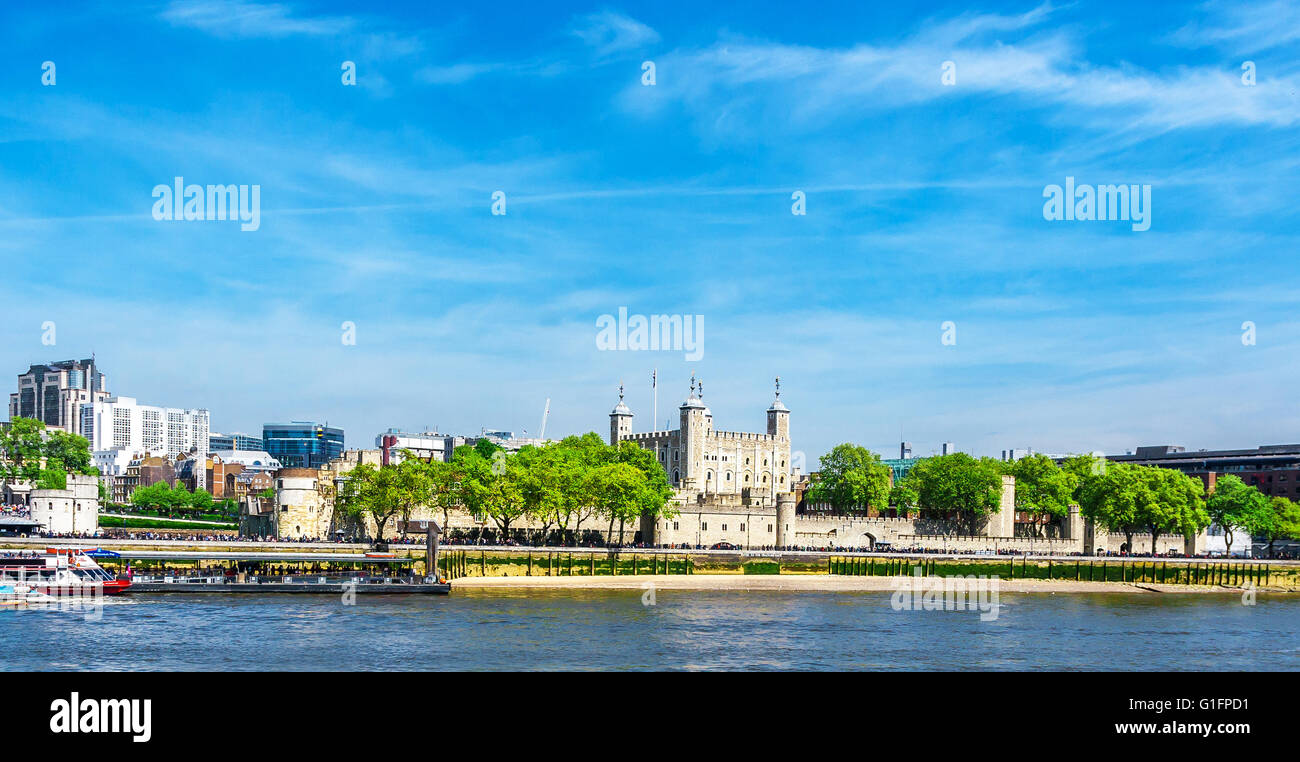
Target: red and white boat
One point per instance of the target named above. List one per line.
(60, 571)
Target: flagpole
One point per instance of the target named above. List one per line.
(654, 384)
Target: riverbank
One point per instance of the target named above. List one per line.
(820, 583)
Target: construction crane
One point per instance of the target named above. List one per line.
(545, 414)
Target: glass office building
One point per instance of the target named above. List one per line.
(302, 444)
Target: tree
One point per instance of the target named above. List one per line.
(850, 477)
(52, 478)
(1285, 524)
(652, 498)
(67, 452)
(1236, 505)
(201, 500)
(957, 487)
(1171, 503)
(619, 492)
(21, 449)
(370, 492)
(1042, 487)
(1110, 499)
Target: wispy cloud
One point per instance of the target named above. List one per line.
(747, 87)
(240, 19)
(608, 32)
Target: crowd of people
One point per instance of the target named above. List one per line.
(16, 510)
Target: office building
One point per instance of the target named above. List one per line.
(302, 444)
(235, 441)
(57, 393)
(123, 423)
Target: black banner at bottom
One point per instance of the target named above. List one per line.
(148, 714)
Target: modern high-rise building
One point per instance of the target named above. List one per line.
(55, 393)
(948, 448)
(904, 450)
(123, 423)
(302, 444)
(235, 441)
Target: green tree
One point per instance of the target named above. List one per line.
(1172, 503)
(371, 493)
(1110, 499)
(1236, 505)
(67, 452)
(851, 477)
(957, 487)
(52, 478)
(619, 492)
(1042, 487)
(1285, 524)
(21, 449)
(201, 500)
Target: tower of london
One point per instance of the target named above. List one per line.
(702, 461)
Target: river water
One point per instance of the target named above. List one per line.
(680, 630)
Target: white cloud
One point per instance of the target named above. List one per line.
(239, 19)
(609, 32)
(743, 87)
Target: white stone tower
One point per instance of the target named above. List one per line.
(694, 424)
(778, 416)
(620, 420)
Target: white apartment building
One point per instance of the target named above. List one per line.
(121, 423)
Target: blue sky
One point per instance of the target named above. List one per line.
(924, 205)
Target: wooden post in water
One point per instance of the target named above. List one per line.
(431, 532)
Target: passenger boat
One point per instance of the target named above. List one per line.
(60, 571)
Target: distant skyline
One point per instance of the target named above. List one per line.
(924, 206)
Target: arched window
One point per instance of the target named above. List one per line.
(676, 476)
(728, 476)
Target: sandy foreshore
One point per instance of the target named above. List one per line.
(812, 583)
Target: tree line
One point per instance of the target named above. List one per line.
(557, 487)
(1124, 498)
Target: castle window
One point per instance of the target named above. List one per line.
(728, 476)
(769, 528)
(677, 476)
(742, 527)
(704, 526)
(724, 527)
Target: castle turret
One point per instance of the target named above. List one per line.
(785, 519)
(694, 425)
(778, 416)
(620, 420)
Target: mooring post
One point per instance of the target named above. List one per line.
(431, 550)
